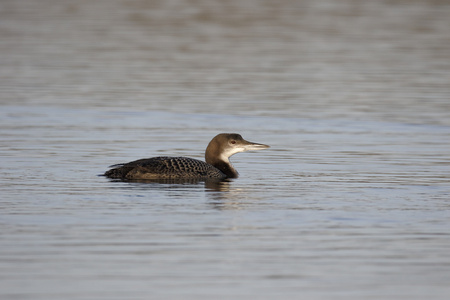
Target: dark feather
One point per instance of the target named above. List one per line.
(164, 168)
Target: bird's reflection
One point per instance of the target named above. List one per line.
(220, 194)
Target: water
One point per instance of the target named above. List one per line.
(351, 200)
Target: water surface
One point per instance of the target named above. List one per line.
(350, 202)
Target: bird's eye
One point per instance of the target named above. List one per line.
(233, 142)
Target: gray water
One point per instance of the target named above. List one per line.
(352, 200)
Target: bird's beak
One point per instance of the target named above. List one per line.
(248, 146)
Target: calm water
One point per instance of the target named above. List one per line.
(352, 200)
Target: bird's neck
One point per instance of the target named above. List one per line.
(215, 156)
(226, 167)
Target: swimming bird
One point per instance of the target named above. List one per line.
(217, 165)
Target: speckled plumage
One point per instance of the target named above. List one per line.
(164, 168)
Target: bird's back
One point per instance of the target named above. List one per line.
(164, 168)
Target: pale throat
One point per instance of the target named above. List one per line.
(225, 155)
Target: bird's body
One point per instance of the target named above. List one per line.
(217, 165)
(164, 167)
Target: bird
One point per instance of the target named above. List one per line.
(217, 165)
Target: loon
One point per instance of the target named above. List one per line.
(217, 165)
